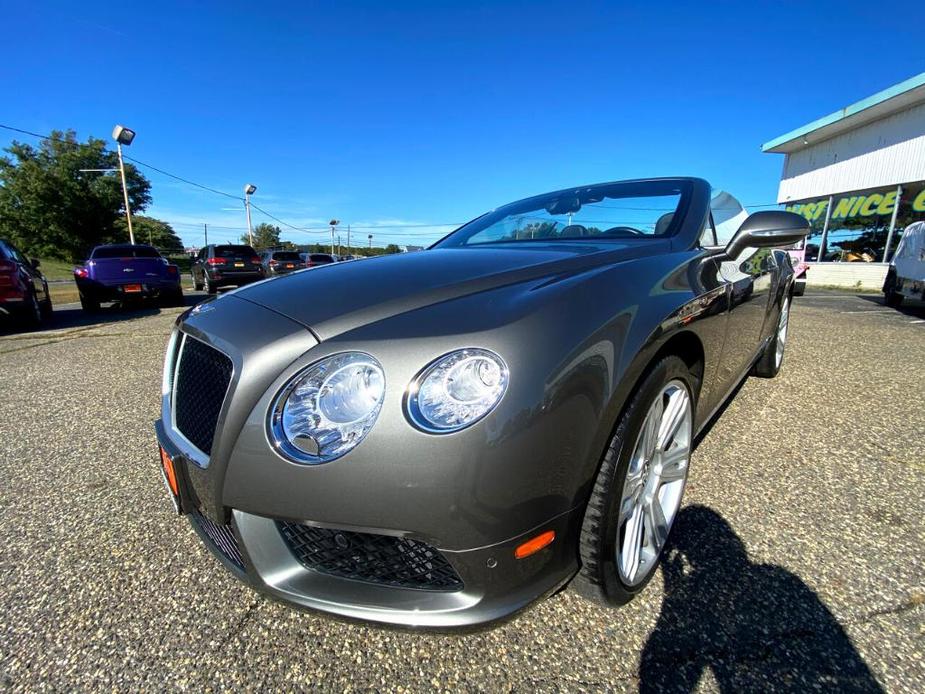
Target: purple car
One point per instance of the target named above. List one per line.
(126, 272)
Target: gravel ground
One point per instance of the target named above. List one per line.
(797, 560)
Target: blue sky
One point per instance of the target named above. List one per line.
(399, 117)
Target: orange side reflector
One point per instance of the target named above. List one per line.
(168, 470)
(535, 545)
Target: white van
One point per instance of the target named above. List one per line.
(906, 276)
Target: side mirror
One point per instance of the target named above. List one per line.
(770, 228)
(35, 263)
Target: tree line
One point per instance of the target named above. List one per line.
(56, 203)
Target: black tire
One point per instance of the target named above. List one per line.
(31, 316)
(47, 307)
(208, 286)
(892, 298)
(89, 305)
(767, 365)
(196, 285)
(173, 299)
(598, 578)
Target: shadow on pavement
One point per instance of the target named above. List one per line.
(914, 308)
(756, 627)
(72, 316)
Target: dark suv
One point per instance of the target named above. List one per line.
(23, 289)
(220, 265)
(281, 262)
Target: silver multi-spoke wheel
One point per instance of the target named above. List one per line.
(782, 332)
(655, 479)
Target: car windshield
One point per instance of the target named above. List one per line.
(124, 252)
(233, 251)
(286, 255)
(631, 210)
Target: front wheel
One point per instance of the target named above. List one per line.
(196, 284)
(209, 285)
(638, 490)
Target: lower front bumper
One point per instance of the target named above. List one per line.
(97, 291)
(496, 585)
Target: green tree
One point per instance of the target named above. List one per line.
(50, 208)
(392, 248)
(265, 236)
(150, 230)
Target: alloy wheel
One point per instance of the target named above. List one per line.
(782, 324)
(655, 478)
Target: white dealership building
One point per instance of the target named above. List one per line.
(858, 175)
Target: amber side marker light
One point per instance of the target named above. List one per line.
(167, 463)
(534, 545)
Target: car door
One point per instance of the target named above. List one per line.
(29, 273)
(198, 276)
(749, 278)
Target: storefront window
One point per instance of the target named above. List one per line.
(911, 209)
(814, 211)
(859, 223)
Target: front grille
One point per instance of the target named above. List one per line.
(200, 383)
(382, 559)
(222, 537)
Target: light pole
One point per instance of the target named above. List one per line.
(370, 239)
(333, 223)
(249, 189)
(124, 136)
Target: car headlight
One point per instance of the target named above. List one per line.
(327, 408)
(457, 390)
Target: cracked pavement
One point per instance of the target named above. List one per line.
(796, 563)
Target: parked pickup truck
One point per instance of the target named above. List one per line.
(126, 273)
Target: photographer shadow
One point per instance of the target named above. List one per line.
(756, 627)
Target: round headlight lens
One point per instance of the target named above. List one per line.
(457, 390)
(326, 409)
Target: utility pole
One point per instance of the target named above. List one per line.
(249, 190)
(370, 238)
(205, 228)
(128, 211)
(333, 223)
(123, 135)
(348, 240)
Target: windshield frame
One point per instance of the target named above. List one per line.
(653, 187)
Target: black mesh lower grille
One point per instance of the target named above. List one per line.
(382, 559)
(199, 388)
(222, 536)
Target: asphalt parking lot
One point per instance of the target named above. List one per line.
(797, 561)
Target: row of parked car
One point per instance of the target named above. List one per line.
(130, 273)
(222, 265)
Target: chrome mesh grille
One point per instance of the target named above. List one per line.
(200, 383)
(222, 537)
(382, 559)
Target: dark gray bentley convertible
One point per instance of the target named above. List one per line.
(441, 438)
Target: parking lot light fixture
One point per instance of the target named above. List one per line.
(124, 136)
(333, 223)
(249, 189)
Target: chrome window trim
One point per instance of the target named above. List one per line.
(171, 366)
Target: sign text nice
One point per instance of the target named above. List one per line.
(857, 206)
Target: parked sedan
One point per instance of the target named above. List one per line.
(280, 262)
(222, 265)
(452, 434)
(316, 259)
(127, 272)
(23, 289)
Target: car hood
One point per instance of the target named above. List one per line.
(335, 298)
